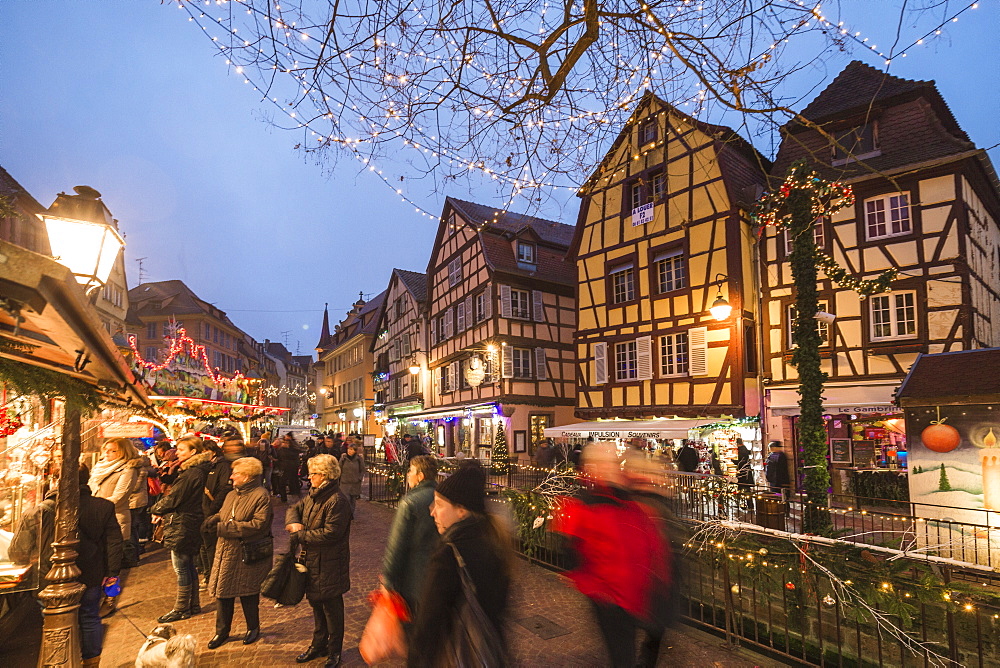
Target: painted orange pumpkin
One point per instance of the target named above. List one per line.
(940, 437)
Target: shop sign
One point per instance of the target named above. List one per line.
(873, 409)
(875, 432)
(127, 430)
(611, 435)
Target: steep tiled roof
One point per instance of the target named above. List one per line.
(915, 125)
(9, 187)
(966, 374)
(548, 230)
(858, 85)
(415, 282)
(174, 297)
(551, 263)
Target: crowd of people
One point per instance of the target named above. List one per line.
(209, 501)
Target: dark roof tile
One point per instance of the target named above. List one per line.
(967, 373)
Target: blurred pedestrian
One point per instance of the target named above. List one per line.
(287, 468)
(413, 536)
(646, 482)
(459, 512)
(352, 471)
(265, 453)
(545, 454)
(181, 512)
(612, 548)
(243, 527)
(688, 458)
(138, 505)
(321, 524)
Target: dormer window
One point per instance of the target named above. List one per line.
(647, 132)
(857, 143)
(525, 252)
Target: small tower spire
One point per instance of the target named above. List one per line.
(324, 333)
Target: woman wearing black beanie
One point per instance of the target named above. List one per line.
(447, 625)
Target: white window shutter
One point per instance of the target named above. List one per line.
(453, 368)
(436, 379)
(538, 305)
(505, 310)
(644, 358)
(541, 372)
(508, 361)
(460, 316)
(434, 338)
(470, 315)
(600, 363)
(488, 302)
(698, 351)
(449, 324)
(407, 349)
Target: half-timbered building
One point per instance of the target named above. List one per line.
(501, 316)
(927, 205)
(399, 349)
(662, 234)
(347, 388)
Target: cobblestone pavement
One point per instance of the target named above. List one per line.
(149, 592)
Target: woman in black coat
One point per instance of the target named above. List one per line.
(459, 511)
(287, 468)
(321, 524)
(181, 513)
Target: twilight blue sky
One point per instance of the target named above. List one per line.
(129, 97)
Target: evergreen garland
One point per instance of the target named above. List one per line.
(27, 379)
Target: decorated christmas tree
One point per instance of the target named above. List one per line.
(501, 456)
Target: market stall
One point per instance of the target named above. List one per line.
(58, 365)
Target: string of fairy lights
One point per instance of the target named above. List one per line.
(413, 137)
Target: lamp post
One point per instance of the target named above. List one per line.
(84, 239)
(83, 236)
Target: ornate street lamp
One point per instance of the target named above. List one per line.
(83, 236)
(720, 308)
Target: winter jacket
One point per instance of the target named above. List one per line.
(352, 470)
(413, 538)
(612, 546)
(687, 458)
(217, 485)
(287, 461)
(246, 515)
(115, 481)
(325, 541)
(181, 506)
(139, 498)
(99, 554)
(545, 456)
(776, 469)
(744, 472)
(442, 589)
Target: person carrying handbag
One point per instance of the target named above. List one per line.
(244, 551)
(461, 614)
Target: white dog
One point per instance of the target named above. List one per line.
(165, 649)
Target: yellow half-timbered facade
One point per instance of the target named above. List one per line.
(927, 205)
(500, 322)
(662, 233)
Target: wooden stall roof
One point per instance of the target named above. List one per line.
(961, 377)
(45, 308)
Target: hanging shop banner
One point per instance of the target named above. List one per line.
(127, 430)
